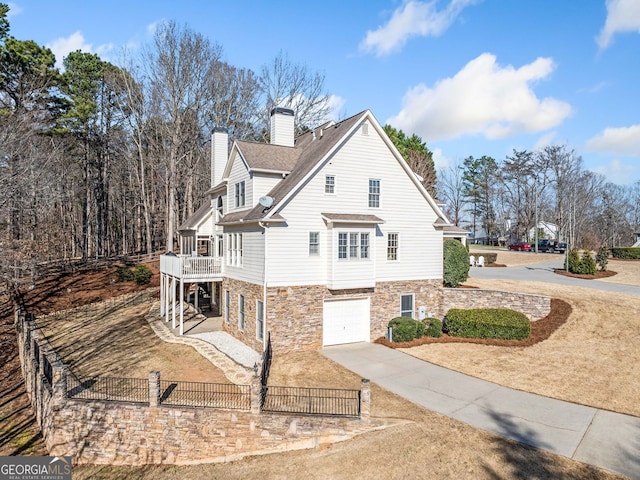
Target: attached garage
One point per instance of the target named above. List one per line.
(346, 321)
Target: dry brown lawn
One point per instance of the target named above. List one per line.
(627, 272)
(118, 341)
(592, 359)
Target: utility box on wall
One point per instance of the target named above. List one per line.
(422, 313)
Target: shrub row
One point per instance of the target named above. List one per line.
(501, 323)
(141, 274)
(627, 253)
(406, 329)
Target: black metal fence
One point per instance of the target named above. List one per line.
(47, 370)
(197, 394)
(312, 401)
(109, 388)
(266, 367)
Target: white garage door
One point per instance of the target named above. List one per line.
(345, 321)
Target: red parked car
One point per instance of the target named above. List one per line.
(520, 246)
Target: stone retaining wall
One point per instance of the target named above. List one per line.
(118, 433)
(534, 307)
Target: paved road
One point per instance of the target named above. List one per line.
(543, 272)
(597, 437)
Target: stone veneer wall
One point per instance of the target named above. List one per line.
(294, 314)
(100, 432)
(534, 307)
(252, 293)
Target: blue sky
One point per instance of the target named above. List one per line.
(471, 77)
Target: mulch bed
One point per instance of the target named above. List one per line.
(494, 265)
(598, 274)
(540, 330)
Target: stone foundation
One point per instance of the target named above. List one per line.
(120, 433)
(534, 307)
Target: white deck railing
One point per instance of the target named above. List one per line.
(191, 268)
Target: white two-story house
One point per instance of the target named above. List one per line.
(315, 240)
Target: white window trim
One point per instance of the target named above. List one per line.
(316, 244)
(258, 320)
(334, 185)
(413, 304)
(357, 247)
(240, 194)
(397, 246)
(378, 195)
(227, 307)
(241, 312)
(235, 248)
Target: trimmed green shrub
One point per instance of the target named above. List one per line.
(433, 327)
(602, 258)
(627, 253)
(124, 274)
(142, 274)
(574, 261)
(500, 323)
(456, 263)
(406, 329)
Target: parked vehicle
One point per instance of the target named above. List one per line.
(520, 247)
(551, 246)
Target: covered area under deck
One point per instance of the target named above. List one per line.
(185, 277)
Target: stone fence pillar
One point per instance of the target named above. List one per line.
(59, 381)
(154, 388)
(365, 399)
(256, 394)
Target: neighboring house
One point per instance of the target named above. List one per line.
(317, 240)
(549, 230)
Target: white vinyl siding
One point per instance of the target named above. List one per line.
(403, 210)
(406, 305)
(238, 174)
(252, 266)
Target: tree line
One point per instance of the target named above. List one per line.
(98, 159)
(504, 200)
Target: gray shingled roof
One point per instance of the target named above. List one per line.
(310, 152)
(351, 218)
(191, 223)
(263, 156)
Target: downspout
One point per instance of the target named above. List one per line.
(264, 288)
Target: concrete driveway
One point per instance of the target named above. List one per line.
(605, 439)
(543, 272)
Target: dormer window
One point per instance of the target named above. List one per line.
(240, 194)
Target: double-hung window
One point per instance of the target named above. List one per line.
(329, 184)
(259, 320)
(241, 312)
(406, 305)
(240, 194)
(314, 243)
(234, 249)
(227, 299)
(392, 246)
(374, 193)
(353, 245)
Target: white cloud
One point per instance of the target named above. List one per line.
(61, 47)
(482, 98)
(14, 10)
(622, 16)
(440, 160)
(618, 172)
(336, 104)
(544, 141)
(414, 18)
(623, 141)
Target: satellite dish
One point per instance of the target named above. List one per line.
(266, 201)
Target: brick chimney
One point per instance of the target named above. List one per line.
(282, 127)
(219, 154)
